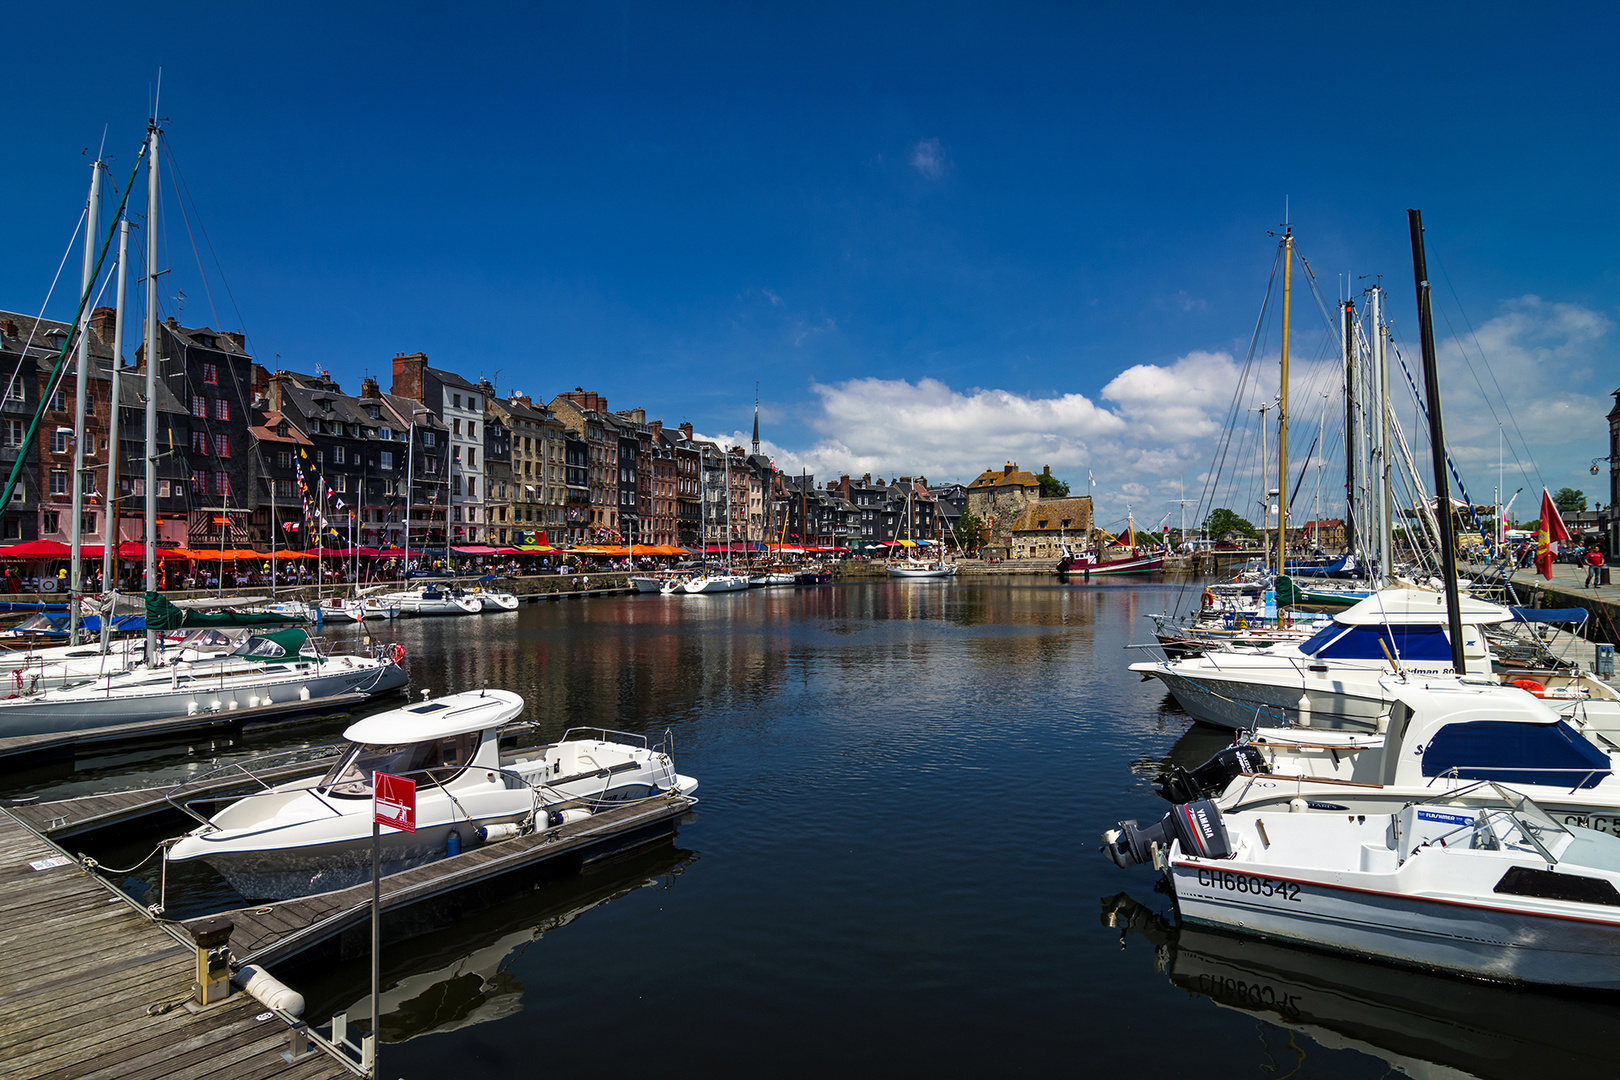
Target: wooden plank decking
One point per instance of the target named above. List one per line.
(82, 973)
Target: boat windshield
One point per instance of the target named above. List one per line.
(435, 762)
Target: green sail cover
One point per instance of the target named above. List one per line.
(1291, 595)
(161, 615)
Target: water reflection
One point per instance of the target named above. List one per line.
(1411, 1020)
(472, 972)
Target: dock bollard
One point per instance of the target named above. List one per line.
(213, 938)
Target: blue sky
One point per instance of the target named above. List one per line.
(939, 237)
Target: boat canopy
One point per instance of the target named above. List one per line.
(440, 718)
(1550, 615)
(276, 647)
(1406, 641)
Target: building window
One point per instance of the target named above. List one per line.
(283, 489)
(87, 483)
(456, 399)
(385, 434)
(163, 489)
(340, 483)
(472, 486)
(59, 482)
(222, 409)
(337, 455)
(14, 391)
(281, 429)
(199, 406)
(472, 430)
(87, 523)
(472, 457)
(455, 453)
(283, 459)
(13, 529)
(455, 488)
(455, 428)
(199, 482)
(222, 445)
(199, 442)
(222, 484)
(59, 401)
(49, 521)
(59, 441)
(211, 374)
(374, 412)
(457, 512)
(430, 439)
(385, 459)
(472, 403)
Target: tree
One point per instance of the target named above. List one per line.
(1222, 521)
(970, 532)
(1052, 487)
(1568, 500)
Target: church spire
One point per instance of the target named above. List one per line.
(756, 419)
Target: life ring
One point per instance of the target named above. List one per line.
(1529, 686)
(48, 585)
(1209, 598)
(398, 653)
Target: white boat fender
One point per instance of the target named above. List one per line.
(490, 834)
(269, 990)
(1297, 805)
(555, 818)
(1304, 710)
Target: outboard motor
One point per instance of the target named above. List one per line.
(1198, 825)
(1211, 778)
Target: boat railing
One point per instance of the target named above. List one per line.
(607, 735)
(257, 774)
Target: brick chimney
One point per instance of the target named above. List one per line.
(686, 432)
(408, 375)
(104, 321)
(656, 427)
(236, 338)
(369, 388)
(520, 399)
(843, 484)
(278, 383)
(586, 400)
(1007, 469)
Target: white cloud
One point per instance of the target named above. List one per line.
(928, 158)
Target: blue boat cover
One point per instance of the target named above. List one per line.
(1516, 753)
(1551, 614)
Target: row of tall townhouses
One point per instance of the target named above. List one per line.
(249, 455)
(847, 512)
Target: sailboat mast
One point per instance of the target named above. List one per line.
(1265, 489)
(1347, 330)
(1282, 407)
(151, 355)
(75, 570)
(109, 544)
(1381, 468)
(1437, 437)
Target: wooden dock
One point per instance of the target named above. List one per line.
(92, 989)
(27, 750)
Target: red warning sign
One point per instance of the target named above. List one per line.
(393, 801)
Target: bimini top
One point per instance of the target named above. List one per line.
(438, 718)
(1413, 606)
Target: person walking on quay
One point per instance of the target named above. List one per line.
(1594, 565)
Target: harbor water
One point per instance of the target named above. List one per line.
(893, 869)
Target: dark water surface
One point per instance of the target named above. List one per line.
(894, 868)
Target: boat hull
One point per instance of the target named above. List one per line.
(1431, 932)
(87, 710)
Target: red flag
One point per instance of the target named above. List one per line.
(1549, 531)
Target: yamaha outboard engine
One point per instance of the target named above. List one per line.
(1211, 778)
(1197, 825)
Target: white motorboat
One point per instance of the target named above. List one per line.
(431, 600)
(273, 667)
(1498, 890)
(770, 578)
(1336, 672)
(658, 582)
(1444, 737)
(921, 571)
(714, 582)
(496, 602)
(314, 835)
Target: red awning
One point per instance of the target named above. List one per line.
(35, 549)
(474, 549)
